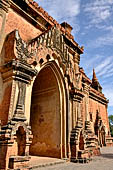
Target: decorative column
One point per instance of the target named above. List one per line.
(86, 92)
(77, 98)
(87, 116)
(23, 74)
(19, 112)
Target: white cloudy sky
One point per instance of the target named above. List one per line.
(92, 22)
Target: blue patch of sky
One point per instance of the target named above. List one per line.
(110, 110)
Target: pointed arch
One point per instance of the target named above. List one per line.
(48, 113)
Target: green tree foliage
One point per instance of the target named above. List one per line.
(111, 124)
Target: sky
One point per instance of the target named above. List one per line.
(92, 22)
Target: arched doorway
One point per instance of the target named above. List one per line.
(81, 141)
(21, 141)
(102, 136)
(45, 116)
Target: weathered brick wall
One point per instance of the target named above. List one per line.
(5, 102)
(15, 21)
(11, 21)
(5, 152)
(95, 106)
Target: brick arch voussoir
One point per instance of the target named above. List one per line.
(26, 129)
(44, 55)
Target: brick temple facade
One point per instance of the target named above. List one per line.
(48, 105)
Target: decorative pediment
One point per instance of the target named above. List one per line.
(52, 39)
(55, 40)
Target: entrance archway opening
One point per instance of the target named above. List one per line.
(73, 150)
(21, 141)
(102, 136)
(81, 141)
(45, 117)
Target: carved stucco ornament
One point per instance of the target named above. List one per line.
(22, 52)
